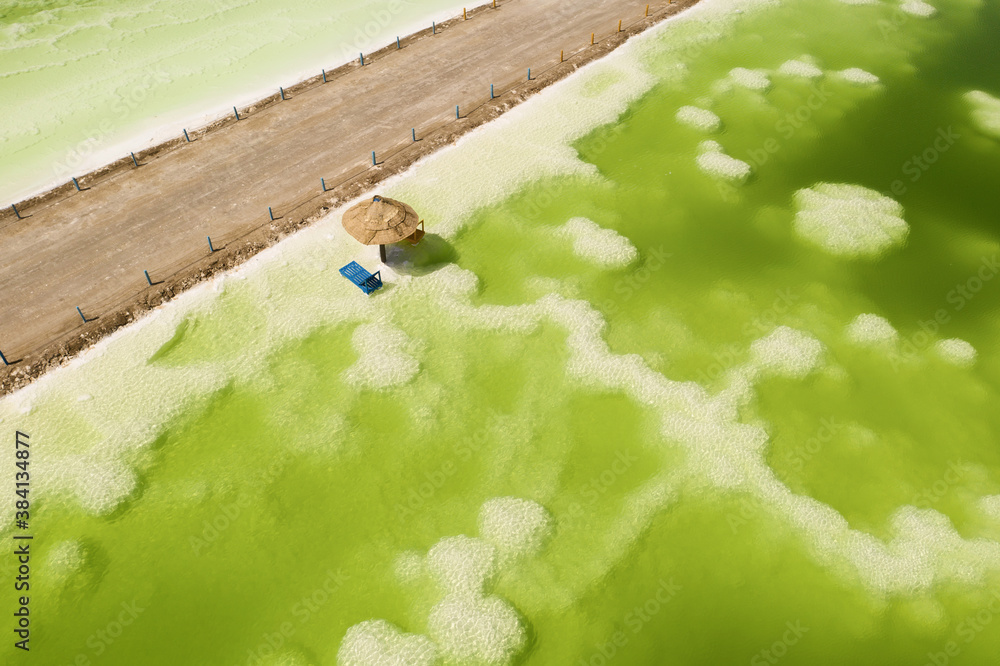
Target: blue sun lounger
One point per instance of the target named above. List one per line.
(359, 276)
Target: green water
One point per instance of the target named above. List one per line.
(266, 463)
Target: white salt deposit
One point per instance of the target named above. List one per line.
(918, 8)
(985, 112)
(603, 247)
(462, 565)
(481, 630)
(787, 351)
(858, 77)
(64, 559)
(382, 359)
(849, 220)
(871, 330)
(698, 118)
(379, 643)
(409, 566)
(990, 505)
(957, 352)
(752, 79)
(800, 68)
(515, 526)
(713, 160)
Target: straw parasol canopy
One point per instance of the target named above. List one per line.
(380, 220)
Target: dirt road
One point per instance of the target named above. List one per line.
(90, 248)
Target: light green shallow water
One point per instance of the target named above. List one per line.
(84, 83)
(717, 468)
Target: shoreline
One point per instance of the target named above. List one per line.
(27, 365)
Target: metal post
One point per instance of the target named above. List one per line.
(4, 359)
(81, 314)
(282, 92)
(210, 248)
(186, 136)
(374, 163)
(76, 184)
(324, 76)
(323, 183)
(434, 28)
(465, 17)
(361, 56)
(414, 132)
(619, 25)
(147, 278)
(134, 161)
(16, 212)
(456, 112)
(529, 73)
(381, 252)
(237, 113)
(398, 46)
(270, 213)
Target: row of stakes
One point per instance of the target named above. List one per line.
(322, 181)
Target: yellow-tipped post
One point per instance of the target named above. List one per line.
(647, 10)
(560, 56)
(619, 25)
(465, 17)
(591, 39)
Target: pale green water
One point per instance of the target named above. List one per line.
(84, 83)
(733, 479)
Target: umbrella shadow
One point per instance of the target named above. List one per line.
(430, 254)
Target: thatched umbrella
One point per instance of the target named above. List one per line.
(381, 220)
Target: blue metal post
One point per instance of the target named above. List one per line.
(81, 314)
(323, 183)
(282, 92)
(210, 248)
(456, 112)
(362, 57)
(147, 278)
(374, 163)
(134, 161)
(186, 136)
(529, 73)
(237, 113)
(434, 28)
(270, 213)
(414, 132)
(15, 212)
(491, 91)
(324, 76)
(398, 46)
(4, 359)
(76, 184)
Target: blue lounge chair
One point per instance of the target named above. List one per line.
(359, 276)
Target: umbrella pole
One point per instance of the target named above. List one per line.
(381, 252)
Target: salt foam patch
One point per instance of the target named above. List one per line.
(698, 118)
(871, 330)
(787, 351)
(858, 77)
(957, 352)
(713, 160)
(752, 79)
(604, 247)
(382, 361)
(800, 68)
(379, 643)
(485, 630)
(462, 565)
(985, 112)
(990, 505)
(849, 220)
(918, 8)
(515, 526)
